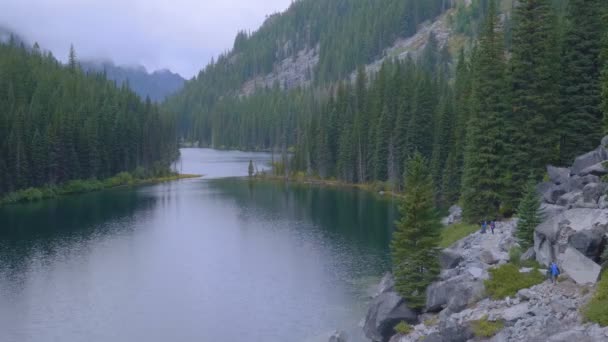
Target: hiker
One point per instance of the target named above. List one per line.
(492, 226)
(484, 226)
(554, 272)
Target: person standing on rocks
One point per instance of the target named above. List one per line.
(554, 272)
(484, 226)
(492, 226)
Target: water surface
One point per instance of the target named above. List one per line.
(212, 259)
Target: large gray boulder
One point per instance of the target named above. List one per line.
(576, 183)
(455, 293)
(593, 191)
(558, 175)
(569, 199)
(554, 235)
(578, 267)
(598, 169)
(385, 312)
(449, 258)
(387, 284)
(553, 193)
(592, 158)
(548, 210)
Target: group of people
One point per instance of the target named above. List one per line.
(485, 225)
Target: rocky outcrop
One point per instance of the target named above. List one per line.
(449, 259)
(386, 310)
(575, 213)
(338, 336)
(455, 216)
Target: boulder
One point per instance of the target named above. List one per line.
(338, 336)
(605, 142)
(455, 293)
(578, 267)
(589, 242)
(515, 313)
(598, 169)
(596, 156)
(602, 203)
(385, 312)
(552, 237)
(449, 258)
(387, 284)
(528, 255)
(569, 199)
(553, 193)
(593, 191)
(558, 175)
(477, 273)
(548, 210)
(576, 183)
(488, 257)
(543, 187)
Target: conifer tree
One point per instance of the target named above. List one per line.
(482, 169)
(529, 215)
(532, 125)
(580, 82)
(250, 169)
(414, 246)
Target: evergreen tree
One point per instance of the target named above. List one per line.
(532, 126)
(250, 168)
(414, 246)
(482, 169)
(580, 82)
(529, 215)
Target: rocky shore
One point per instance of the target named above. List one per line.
(573, 233)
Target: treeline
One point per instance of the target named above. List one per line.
(486, 123)
(59, 124)
(348, 33)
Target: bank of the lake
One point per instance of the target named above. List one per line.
(80, 186)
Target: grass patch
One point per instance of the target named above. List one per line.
(453, 233)
(596, 310)
(486, 329)
(403, 328)
(506, 281)
(80, 186)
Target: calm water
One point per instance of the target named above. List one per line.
(213, 259)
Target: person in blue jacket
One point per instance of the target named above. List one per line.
(554, 272)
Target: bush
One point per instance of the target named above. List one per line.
(515, 255)
(403, 328)
(506, 280)
(486, 329)
(453, 233)
(596, 310)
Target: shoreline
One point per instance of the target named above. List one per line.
(81, 186)
(376, 188)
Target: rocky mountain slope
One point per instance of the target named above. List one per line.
(573, 234)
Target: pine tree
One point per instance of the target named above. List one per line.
(414, 246)
(72, 63)
(580, 82)
(250, 168)
(532, 125)
(529, 215)
(482, 169)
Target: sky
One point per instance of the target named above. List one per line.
(180, 35)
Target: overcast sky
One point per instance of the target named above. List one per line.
(181, 35)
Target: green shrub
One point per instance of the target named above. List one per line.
(506, 280)
(596, 310)
(515, 255)
(453, 233)
(486, 329)
(403, 328)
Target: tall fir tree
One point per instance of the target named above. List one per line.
(482, 169)
(414, 246)
(529, 215)
(533, 124)
(580, 87)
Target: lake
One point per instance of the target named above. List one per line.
(213, 259)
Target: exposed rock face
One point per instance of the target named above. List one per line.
(558, 175)
(385, 312)
(449, 258)
(587, 160)
(580, 268)
(455, 216)
(455, 293)
(338, 336)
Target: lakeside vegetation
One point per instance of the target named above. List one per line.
(80, 186)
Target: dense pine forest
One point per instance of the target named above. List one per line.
(58, 123)
(527, 92)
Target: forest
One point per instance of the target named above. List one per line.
(58, 123)
(529, 92)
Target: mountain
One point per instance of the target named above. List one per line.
(156, 85)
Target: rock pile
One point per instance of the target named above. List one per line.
(576, 216)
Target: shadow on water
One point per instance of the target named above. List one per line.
(45, 226)
(361, 217)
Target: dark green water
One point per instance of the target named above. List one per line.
(214, 259)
